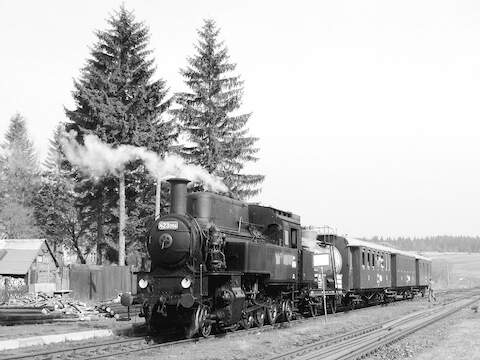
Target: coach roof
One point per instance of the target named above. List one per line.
(371, 245)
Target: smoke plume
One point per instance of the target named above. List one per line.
(97, 158)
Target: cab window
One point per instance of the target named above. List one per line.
(293, 237)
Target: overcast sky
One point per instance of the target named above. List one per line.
(367, 111)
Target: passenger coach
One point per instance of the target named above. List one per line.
(376, 273)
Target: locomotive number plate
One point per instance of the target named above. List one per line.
(167, 225)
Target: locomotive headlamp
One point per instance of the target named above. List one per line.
(186, 283)
(142, 283)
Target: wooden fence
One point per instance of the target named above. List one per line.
(94, 282)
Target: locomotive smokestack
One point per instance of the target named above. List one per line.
(178, 196)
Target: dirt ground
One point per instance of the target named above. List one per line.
(456, 337)
(462, 340)
(262, 345)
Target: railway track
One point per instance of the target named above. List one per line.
(358, 344)
(115, 348)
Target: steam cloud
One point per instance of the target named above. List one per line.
(97, 158)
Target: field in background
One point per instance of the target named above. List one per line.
(455, 269)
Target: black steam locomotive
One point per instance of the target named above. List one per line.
(217, 262)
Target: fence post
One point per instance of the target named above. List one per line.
(7, 284)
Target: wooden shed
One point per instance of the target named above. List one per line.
(31, 260)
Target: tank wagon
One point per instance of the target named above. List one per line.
(221, 263)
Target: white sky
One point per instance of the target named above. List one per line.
(367, 111)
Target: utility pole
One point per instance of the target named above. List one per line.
(157, 198)
(324, 278)
(122, 215)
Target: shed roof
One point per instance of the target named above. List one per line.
(17, 255)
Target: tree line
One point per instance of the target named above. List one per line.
(442, 243)
(118, 100)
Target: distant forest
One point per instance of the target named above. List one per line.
(434, 243)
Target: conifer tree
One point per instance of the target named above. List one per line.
(19, 178)
(208, 114)
(117, 100)
(18, 163)
(56, 161)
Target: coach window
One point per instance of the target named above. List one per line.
(293, 237)
(373, 260)
(363, 258)
(382, 265)
(368, 259)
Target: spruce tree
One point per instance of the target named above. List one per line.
(208, 114)
(18, 161)
(19, 179)
(56, 161)
(117, 100)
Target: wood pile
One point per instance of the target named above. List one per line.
(42, 308)
(117, 310)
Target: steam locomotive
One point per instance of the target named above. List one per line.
(221, 263)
